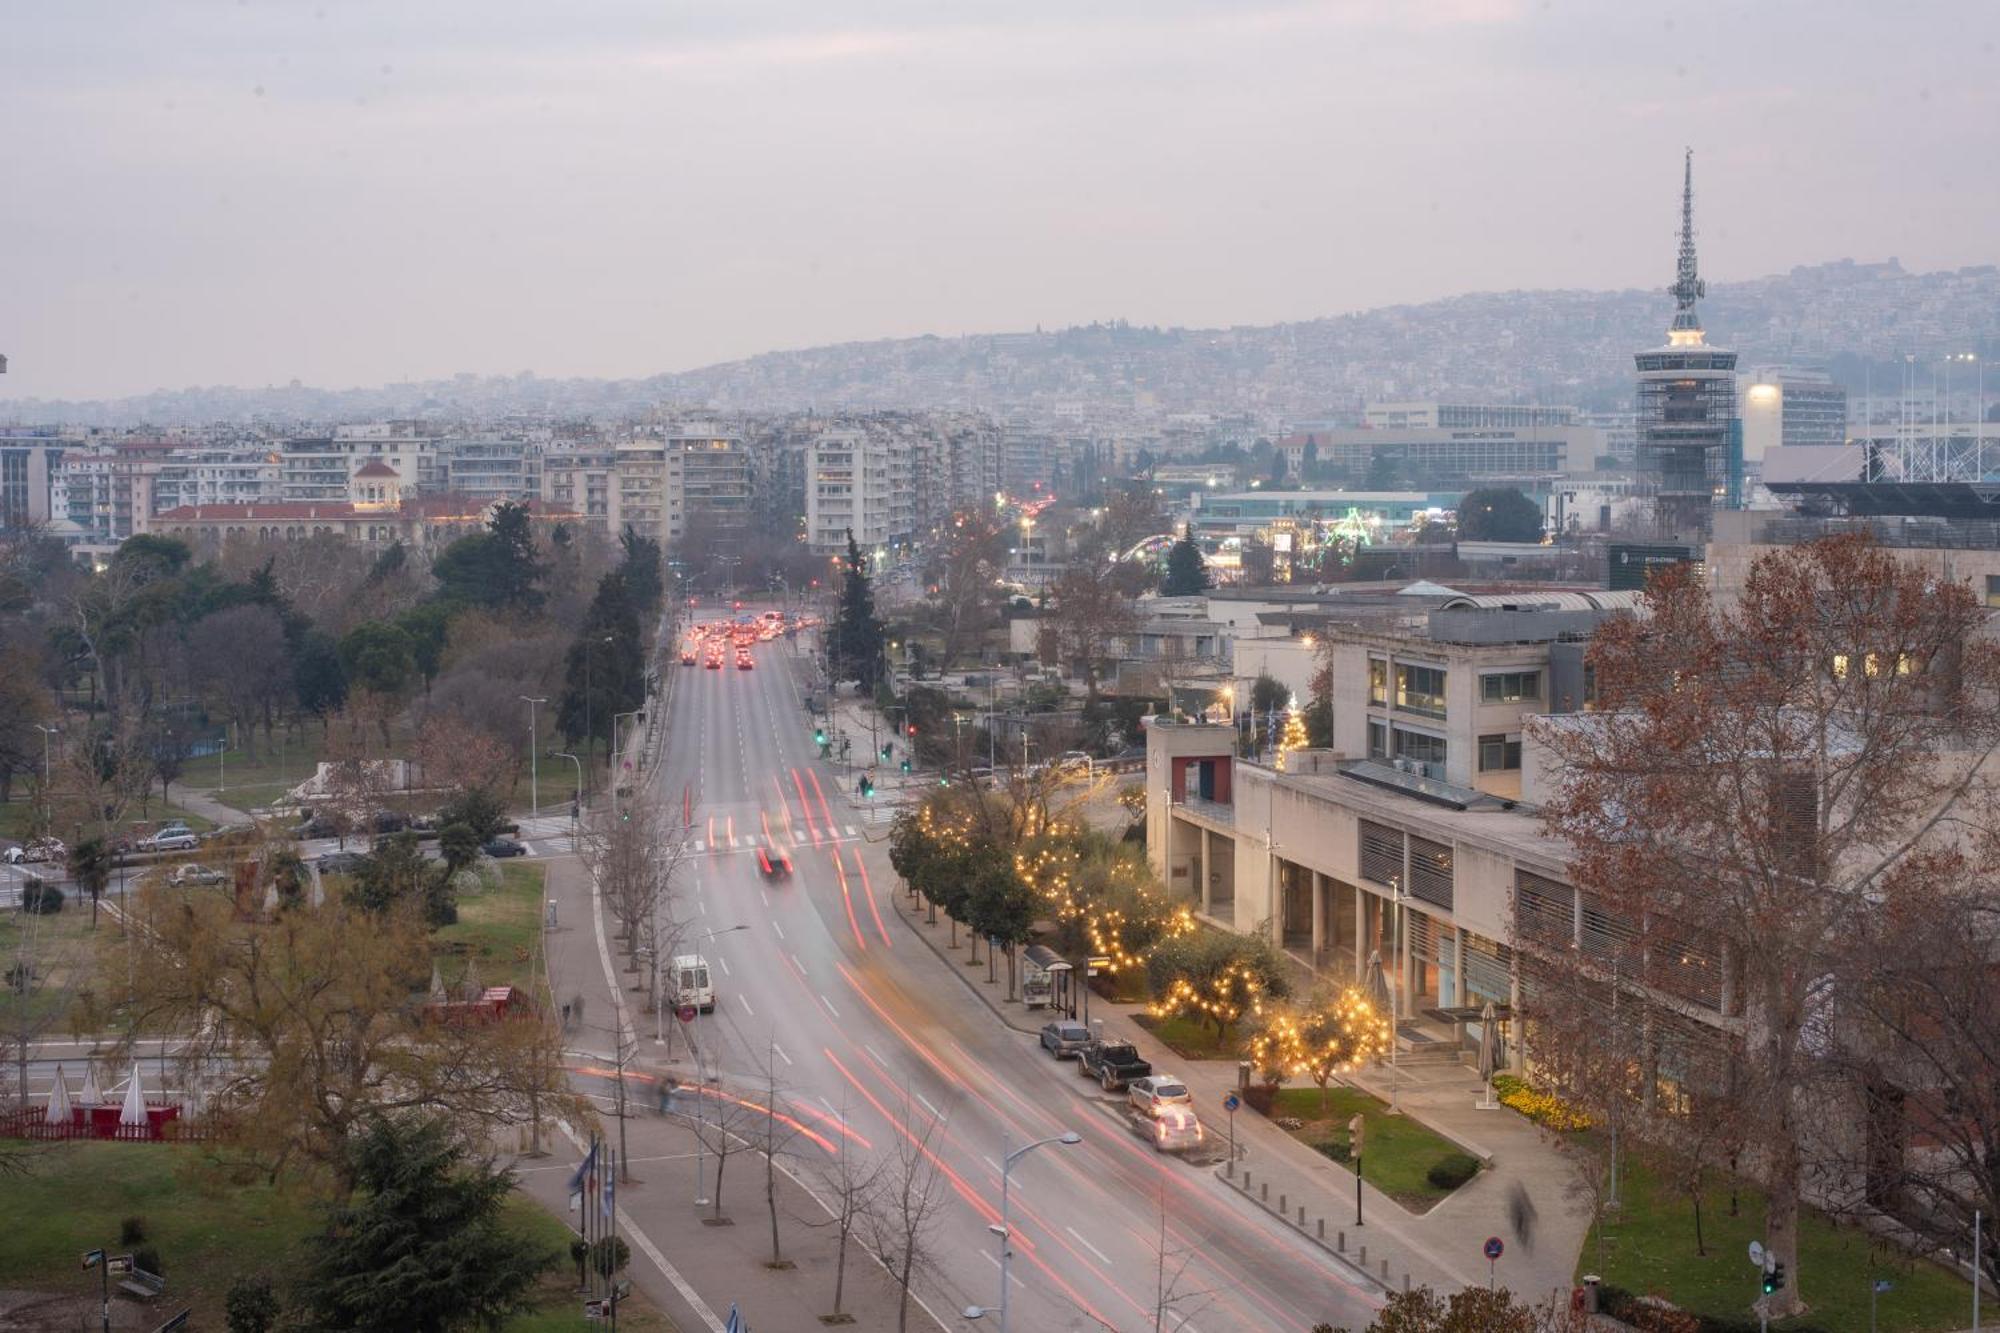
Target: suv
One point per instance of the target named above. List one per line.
(1114, 1064)
(1151, 1093)
(1065, 1040)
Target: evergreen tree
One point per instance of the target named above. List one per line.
(317, 676)
(605, 673)
(857, 637)
(496, 570)
(643, 570)
(1499, 514)
(421, 1246)
(1187, 572)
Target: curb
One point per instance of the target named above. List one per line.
(1336, 1250)
(917, 928)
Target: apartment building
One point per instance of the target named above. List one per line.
(584, 480)
(28, 466)
(491, 467)
(714, 478)
(852, 479)
(1464, 416)
(233, 475)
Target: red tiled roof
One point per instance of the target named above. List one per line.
(266, 513)
(375, 467)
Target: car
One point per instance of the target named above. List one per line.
(772, 863)
(1175, 1129)
(388, 821)
(192, 873)
(1154, 1091)
(714, 663)
(687, 657)
(35, 850)
(498, 847)
(340, 863)
(169, 840)
(1065, 1040)
(319, 826)
(1114, 1064)
(743, 662)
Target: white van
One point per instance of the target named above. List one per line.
(690, 983)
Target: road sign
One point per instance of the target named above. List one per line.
(1757, 1254)
(1493, 1248)
(1232, 1103)
(685, 1013)
(1884, 1284)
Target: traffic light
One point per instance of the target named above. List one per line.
(913, 730)
(906, 763)
(819, 735)
(867, 786)
(887, 747)
(1774, 1278)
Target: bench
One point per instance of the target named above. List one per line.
(142, 1285)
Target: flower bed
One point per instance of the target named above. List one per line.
(1550, 1112)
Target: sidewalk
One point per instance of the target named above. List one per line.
(1441, 1248)
(689, 1268)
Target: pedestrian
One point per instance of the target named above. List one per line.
(565, 1015)
(1521, 1209)
(667, 1085)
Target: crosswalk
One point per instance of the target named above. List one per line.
(747, 842)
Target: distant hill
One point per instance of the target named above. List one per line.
(1547, 346)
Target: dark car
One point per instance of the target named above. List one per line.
(772, 863)
(1065, 1040)
(340, 863)
(1114, 1064)
(389, 821)
(498, 847)
(319, 826)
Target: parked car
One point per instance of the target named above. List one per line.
(1114, 1064)
(192, 873)
(36, 850)
(1151, 1093)
(498, 847)
(388, 821)
(340, 863)
(1065, 1040)
(169, 840)
(1175, 1128)
(772, 863)
(319, 826)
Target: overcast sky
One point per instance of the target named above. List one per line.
(352, 191)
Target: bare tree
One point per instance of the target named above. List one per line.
(775, 1135)
(634, 855)
(1170, 1266)
(1089, 611)
(725, 1124)
(850, 1184)
(905, 1207)
(238, 656)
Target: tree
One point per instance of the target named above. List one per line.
(1332, 1032)
(1217, 976)
(850, 1186)
(318, 680)
(1293, 737)
(91, 862)
(241, 657)
(378, 660)
(1756, 776)
(429, 626)
(399, 875)
(459, 754)
(459, 845)
(1499, 514)
(251, 1306)
(476, 808)
(961, 575)
(605, 672)
(1087, 613)
(906, 1204)
(423, 1245)
(1385, 471)
(1471, 1310)
(315, 1023)
(857, 634)
(24, 703)
(1187, 572)
(774, 1136)
(1000, 905)
(496, 570)
(644, 570)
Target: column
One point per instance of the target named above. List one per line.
(1319, 918)
(1516, 1063)
(1360, 933)
(1201, 868)
(1274, 898)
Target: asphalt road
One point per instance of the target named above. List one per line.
(871, 1036)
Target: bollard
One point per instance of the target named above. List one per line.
(1364, 1256)
(1406, 1284)
(1322, 1230)
(1340, 1241)
(1246, 1177)
(1302, 1217)
(1385, 1272)
(1281, 1205)
(1264, 1191)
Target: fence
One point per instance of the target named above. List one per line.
(100, 1122)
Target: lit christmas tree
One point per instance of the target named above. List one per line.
(1294, 735)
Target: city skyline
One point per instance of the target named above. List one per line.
(234, 195)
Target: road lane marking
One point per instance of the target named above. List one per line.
(765, 896)
(850, 829)
(780, 929)
(1102, 1257)
(1011, 1277)
(872, 1051)
(746, 1006)
(800, 966)
(725, 964)
(935, 1113)
(836, 1013)
(782, 1056)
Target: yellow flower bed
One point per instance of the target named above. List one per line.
(1548, 1111)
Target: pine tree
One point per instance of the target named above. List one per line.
(1187, 572)
(421, 1245)
(605, 673)
(857, 639)
(1293, 737)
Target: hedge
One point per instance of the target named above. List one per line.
(1452, 1170)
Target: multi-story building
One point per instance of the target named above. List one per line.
(326, 469)
(244, 475)
(29, 463)
(491, 467)
(1690, 442)
(1465, 416)
(713, 472)
(647, 489)
(1783, 407)
(584, 481)
(1532, 453)
(850, 488)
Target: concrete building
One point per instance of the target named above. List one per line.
(491, 467)
(1792, 408)
(217, 476)
(583, 480)
(1690, 444)
(28, 467)
(424, 523)
(1464, 416)
(1532, 454)
(852, 484)
(713, 475)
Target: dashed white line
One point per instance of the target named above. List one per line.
(765, 896)
(725, 964)
(796, 963)
(935, 1113)
(746, 1007)
(988, 1256)
(872, 1051)
(1102, 1258)
(835, 1012)
(788, 1059)
(780, 929)
(990, 1162)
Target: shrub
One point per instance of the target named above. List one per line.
(1452, 1170)
(609, 1255)
(1334, 1149)
(1261, 1097)
(1548, 1111)
(251, 1306)
(132, 1231)
(41, 897)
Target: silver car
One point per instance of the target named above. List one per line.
(1065, 1040)
(1157, 1090)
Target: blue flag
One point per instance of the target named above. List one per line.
(610, 1184)
(735, 1324)
(583, 1172)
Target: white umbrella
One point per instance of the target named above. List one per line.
(90, 1096)
(59, 1112)
(134, 1112)
(1489, 1053)
(437, 982)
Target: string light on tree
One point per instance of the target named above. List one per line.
(1294, 735)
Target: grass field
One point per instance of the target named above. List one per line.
(1188, 1039)
(59, 950)
(499, 930)
(1398, 1151)
(1648, 1248)
(210, 1225)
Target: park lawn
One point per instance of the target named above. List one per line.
(1649, 1250)
(1187, 1038)
(62, 951)
(499, 929)
(1398, 1151)
(17, 817)
(210, 1224)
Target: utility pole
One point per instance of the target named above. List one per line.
(534, 771)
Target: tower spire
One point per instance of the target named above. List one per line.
(1688, 286)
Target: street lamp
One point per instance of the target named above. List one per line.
(46, 733)
(614, 755)
(1069, 1138)
(1396, 1003)
(575, 800)
(534, 772)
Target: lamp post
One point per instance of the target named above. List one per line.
(589, 655)
(534, 771)
(614, 756)
(1069, 1138)
(576, 800)
(46, 809)
(1396, 1003)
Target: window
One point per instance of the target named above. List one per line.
(1430, 872)
(1378, 681)
(1381, 853)
(1378, 740)
(1511, 687)
(1419, 746)
(1499, 754)
(1420, 689)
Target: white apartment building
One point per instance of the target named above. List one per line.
(328, 469)
(217, 476)
(491, 467)
(584, 481)
(852, 480)
(1463, 416)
